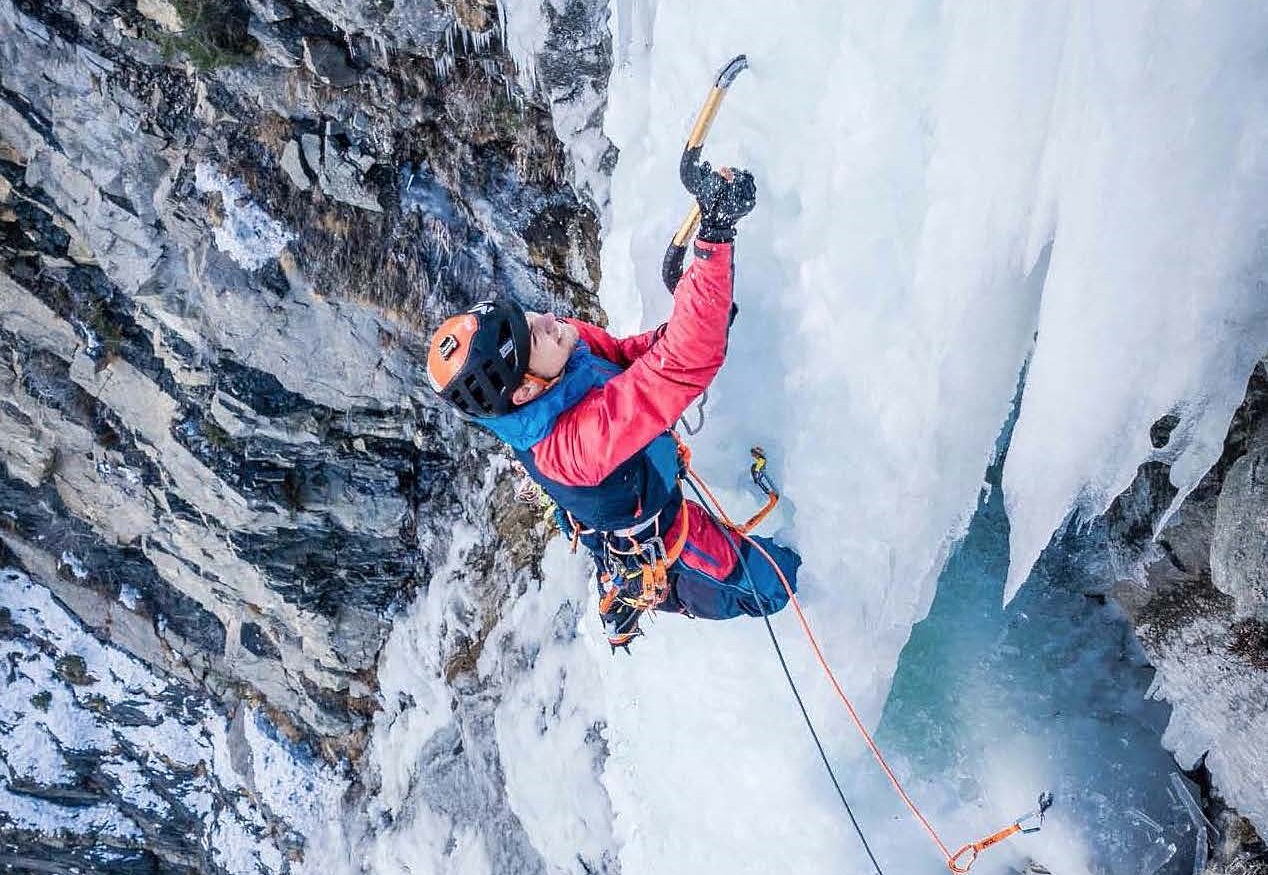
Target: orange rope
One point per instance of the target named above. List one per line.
(712, 498)
(755, 519)
(952, 860)
(849, 706)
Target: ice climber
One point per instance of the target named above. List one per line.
(588, 415)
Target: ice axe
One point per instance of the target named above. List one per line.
(671, 266)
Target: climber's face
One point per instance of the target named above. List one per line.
(552, 342)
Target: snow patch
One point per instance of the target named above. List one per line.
(129, 596)
(59, 697)
(551, 715)
(246, 233)
(74, 564)
(304, 793)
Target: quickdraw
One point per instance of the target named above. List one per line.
(760, 478)
(1027, 823)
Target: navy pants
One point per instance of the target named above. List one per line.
(755, 593)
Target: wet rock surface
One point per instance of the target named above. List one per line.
(226, 231)
(1192, 583)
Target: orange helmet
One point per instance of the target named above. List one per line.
(478, 358)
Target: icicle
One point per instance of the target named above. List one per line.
(1145, 819)
(445, 61)
(1200, 823)
(444, 65)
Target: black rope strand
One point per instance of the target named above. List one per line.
(770, 630)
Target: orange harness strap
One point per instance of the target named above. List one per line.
(655, 558)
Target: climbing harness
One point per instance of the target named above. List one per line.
(962, 860)
(636, 560)
(646, 560)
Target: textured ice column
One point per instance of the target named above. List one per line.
(1157, 170)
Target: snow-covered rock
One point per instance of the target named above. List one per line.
(1191, 584)
(217, 451)
(111, 766)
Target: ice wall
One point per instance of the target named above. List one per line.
(917, 165)
(938, 185)
(1155, 172)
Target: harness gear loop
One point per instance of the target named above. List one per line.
(952, 860)
(654, 560)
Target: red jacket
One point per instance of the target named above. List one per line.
(666, 369)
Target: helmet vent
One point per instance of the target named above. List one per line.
(476, 391)
(494, 375)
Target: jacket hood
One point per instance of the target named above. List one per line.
(525, 426)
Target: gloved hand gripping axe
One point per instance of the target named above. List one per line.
(693, 173)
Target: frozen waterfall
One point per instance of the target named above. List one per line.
(945, 193)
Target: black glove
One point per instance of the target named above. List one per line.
(725, 196)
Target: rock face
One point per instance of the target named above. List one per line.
(1196, 594)
(112, 767)
(225, 232)
(1239, 543)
